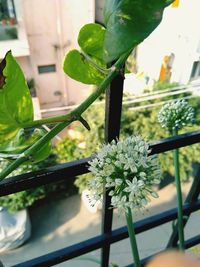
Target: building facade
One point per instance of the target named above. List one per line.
(173, 49)
(40, 32)
(45, 31)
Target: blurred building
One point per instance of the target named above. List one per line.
(172, 51)
(39, 33)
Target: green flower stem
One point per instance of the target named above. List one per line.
(64, 120)
(179, 196)
(132, 237)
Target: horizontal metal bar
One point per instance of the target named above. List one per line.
(178, 141)
(188, 244)
(192, 242)
(97, 242)
(74, 168)
(50, 175)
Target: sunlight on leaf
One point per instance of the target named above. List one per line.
(109, 8)
(79, 68)
(128, 23)
(91, 39)
(15, 100)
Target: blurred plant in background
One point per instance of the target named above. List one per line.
(27, 198)
(84, 144)
(143, 122)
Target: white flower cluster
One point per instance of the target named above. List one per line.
(127, 171)
(175, 115)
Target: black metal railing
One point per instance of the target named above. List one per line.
(72, 169)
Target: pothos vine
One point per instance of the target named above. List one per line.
(127, 23)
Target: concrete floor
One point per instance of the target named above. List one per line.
(65, 222)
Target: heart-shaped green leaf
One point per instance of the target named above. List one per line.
(91, 40)
(15, 100)
(109, 7)
(79, 68)
(128, 23)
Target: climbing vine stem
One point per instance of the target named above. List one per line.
(64, 120)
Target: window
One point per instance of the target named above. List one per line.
(7, 12)
(8, 21)
(46, 69)
(195, 70)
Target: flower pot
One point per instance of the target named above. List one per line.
(15, 229)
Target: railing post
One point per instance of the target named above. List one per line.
(114, 96)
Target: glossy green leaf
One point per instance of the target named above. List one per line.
(91, 40)
(109, 8)
(128, 23)
(79, 68)
(22, 141)
(15, 100)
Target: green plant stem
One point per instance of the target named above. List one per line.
(102, 70)
(50, 120)
(132, 237)
(179, 196)
(65, 119)
(27, 155)
(76, 113)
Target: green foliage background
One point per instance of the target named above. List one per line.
(98, 46)
(24, 199)
(143, 122)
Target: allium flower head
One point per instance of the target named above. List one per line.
(175, 115)
(127, 172)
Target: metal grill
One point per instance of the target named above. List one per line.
(57, 173)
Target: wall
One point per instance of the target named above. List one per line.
(52, 29)
(178, 33)
(74, 15)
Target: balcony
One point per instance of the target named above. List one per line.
(12, 31)
(110, 235)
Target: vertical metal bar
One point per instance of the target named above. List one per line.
(14, 11)
(192, 196)
(114, 96)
